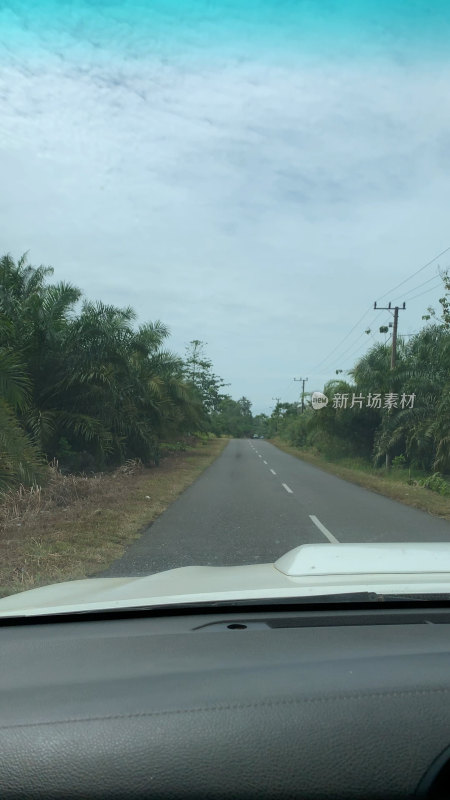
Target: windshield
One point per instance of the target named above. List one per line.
(224, 298)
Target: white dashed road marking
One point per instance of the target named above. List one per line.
(259, 456)
(323, 529)
(287, 488)
(265, 462)
(273, 472)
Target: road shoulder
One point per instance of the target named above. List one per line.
(80, 526)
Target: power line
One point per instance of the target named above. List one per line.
(386, 342)
(344, 339)
(324, 360)
(356, 340)
(417, 272)
(435, 277)
(357, 349)
(414, 274)
(369, 328)
(342, 355)
(288, 386)
(422, 293)
(372, 336)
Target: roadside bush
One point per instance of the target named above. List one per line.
(204, 438)
(60, 491)
(436, 483)
(169, 448)
(297, 431)
(332, 447)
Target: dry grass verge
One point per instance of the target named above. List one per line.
(78, 526)
(393, 484)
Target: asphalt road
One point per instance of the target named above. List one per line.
(255, 503)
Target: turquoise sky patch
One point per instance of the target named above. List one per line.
(213, 29)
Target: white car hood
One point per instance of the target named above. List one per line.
(308, 571)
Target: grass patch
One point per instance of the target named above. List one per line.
(393, 483)
(77, 526)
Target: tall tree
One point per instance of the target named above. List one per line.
(199, 373)
(87, 381)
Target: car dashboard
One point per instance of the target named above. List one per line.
(228, 702)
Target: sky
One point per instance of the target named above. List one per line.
(254, 173)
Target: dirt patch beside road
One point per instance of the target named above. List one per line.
(77, 526)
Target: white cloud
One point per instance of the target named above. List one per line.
(260, 208)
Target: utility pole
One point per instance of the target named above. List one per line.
(303, 380)
(394, 345)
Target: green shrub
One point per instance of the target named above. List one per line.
(168, 448)
(436, 483)
(399, 461)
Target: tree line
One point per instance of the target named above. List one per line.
(81, 383)
(411, 423)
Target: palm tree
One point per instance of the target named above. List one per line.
(20, 460)
(91, 381)
(421, 433)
